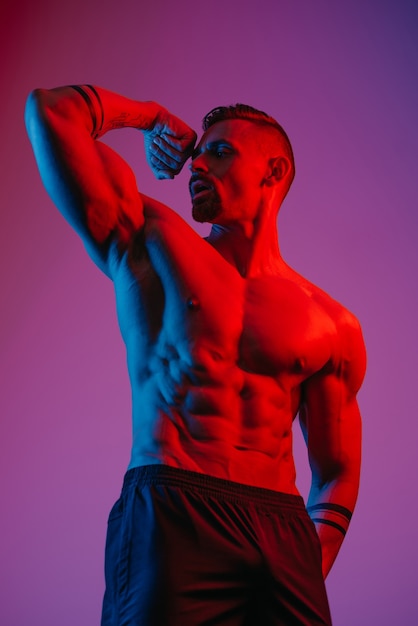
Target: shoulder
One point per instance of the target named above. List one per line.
(166, 230)
(349, 355)
(343, 319)
(165, 222)
(158, 212)
(164, 236)
(340, 315)
(154, 209)
(348, 359)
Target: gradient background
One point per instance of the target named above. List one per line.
(342, 79)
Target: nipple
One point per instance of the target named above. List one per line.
(193, 303)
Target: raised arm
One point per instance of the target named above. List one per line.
(92, 186)
(331, 425)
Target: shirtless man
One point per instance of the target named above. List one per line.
(226, 344)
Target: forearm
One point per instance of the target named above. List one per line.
(74, 116)
(91, 109)
(330, 506)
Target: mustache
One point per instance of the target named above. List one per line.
(200, 179)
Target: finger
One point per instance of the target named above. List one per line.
(157, 155)
(175, 141)
(160, 168)
(165, 150)
(182, 131)
(183, 145)
(163, 175)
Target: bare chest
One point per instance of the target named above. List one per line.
(284, 330)
(184, 299)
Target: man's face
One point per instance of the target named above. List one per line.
(228, 169)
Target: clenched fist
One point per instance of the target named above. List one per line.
(168, 144)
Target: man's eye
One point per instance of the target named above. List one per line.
(220, 153)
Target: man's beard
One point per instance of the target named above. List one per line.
(207, 210)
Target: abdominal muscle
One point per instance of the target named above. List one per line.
(226, 423)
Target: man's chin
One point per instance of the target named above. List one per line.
(199, 216)
(203, 212)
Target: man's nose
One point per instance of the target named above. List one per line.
(198, 164)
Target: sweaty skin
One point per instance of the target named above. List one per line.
(225, 343)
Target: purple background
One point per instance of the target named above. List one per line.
(342, 79)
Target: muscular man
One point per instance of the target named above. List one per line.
(226, 344)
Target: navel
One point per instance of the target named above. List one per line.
(299, 365)
(193, 303)
(245, 392)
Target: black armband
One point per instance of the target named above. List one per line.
(328, 506)
(334, 509)
(100, 106)
(87, 99)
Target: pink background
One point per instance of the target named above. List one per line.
(342, 78)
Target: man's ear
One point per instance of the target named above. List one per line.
(278, 169)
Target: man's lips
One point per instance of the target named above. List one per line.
(199, 186)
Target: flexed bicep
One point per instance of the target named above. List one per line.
(91, 185)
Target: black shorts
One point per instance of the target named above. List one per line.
(186, 549)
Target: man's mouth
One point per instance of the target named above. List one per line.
(199, 187)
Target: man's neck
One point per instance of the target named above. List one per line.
(253, 249)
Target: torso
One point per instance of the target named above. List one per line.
(216, 361)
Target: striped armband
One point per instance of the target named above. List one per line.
(337, 516)
(87, 92)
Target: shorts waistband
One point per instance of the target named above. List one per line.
(210, 486)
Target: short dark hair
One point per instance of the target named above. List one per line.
(238, 111)
(249, 113)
